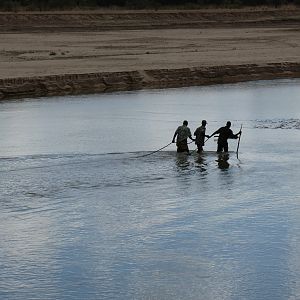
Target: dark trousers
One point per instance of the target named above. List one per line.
(222, 146)
(182, 146)
(200, 147)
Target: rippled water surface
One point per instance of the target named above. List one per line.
(84, 215)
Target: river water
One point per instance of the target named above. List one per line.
(83, 215)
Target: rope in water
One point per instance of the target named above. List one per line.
(155, 151)
(158, 150)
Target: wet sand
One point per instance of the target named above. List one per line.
(121, 50)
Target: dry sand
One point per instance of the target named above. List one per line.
(41, 44)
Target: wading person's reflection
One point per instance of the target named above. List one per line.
(223, 161)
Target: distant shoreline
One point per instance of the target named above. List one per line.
(68, 53)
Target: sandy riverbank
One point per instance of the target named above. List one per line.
(82, 52)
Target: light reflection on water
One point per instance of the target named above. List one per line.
(80, 223)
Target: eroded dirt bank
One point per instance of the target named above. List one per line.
(134, 80)
(45, 54)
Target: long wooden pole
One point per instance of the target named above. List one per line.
(238, 145)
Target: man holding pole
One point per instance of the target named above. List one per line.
(225, 133)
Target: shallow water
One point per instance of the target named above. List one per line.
(84, 216)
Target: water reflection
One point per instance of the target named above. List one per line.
(222, 160)
(93, 225)
(182, 161)
(201, 163)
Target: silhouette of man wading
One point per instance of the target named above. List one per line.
(200, 136)
(225, 133)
